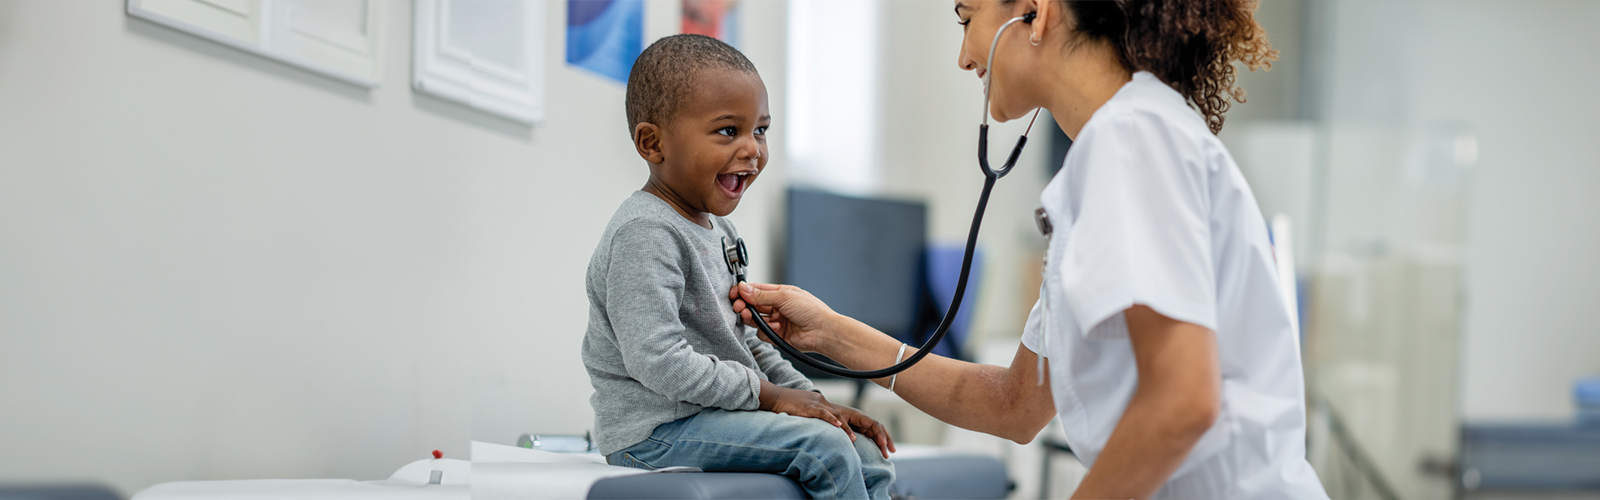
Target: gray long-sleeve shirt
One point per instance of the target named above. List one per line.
(663, 341)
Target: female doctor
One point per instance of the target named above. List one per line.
(1169, 353)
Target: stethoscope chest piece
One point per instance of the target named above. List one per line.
(736, 256)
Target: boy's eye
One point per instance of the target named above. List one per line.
(728, 131)
(762, 130)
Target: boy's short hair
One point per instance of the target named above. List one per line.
(664, 74)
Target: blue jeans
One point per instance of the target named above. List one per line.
(814, 453)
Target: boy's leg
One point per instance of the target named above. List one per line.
(878, 471)
(817, 455)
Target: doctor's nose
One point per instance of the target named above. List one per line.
(964, 59)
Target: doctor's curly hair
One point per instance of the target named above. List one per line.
(1191, 45)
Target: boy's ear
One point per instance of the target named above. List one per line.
(647, 140)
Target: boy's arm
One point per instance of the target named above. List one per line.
(771, 361)
(778, 370)
(644, 289)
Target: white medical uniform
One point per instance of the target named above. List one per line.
(1150, 209)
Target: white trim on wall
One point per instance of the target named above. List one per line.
(341, 39)
(485, 54)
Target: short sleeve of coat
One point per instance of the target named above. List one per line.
(1141, 232)
(1030, 329)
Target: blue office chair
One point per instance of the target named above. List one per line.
(943, 271)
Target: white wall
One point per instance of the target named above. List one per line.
(217, 266)
(930, 113)
(833, 53)
(1522, 75)
(1519, 77)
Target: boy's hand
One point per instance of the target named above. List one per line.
(867, 427)
(810, 404)
(800, 404)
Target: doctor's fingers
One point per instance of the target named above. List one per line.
(743, 288)
(773, 318)
(743, 308)
(764, 296)
(746, 313)
(776, 328)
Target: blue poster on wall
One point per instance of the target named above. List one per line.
(605, 36)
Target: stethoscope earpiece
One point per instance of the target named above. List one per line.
(1029, 17)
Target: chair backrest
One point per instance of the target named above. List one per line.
(943, 272)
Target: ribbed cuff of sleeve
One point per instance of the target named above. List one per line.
(755, 390)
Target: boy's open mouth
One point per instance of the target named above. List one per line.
(733, 184)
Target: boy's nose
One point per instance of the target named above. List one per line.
(750, 151)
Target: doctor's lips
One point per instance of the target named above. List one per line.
(734, 183)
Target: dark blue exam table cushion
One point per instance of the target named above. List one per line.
(926, 478)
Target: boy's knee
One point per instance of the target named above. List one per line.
(824, 441)
(871, 456)
(876, 469)
(868, 450)
(823, 433)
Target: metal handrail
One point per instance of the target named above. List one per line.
(1353, 450)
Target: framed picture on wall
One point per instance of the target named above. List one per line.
(342, 39)
(486, 54)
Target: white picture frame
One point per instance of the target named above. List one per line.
(486, 54)
(342, 39)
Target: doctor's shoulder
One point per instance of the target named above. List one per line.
(1145, 134)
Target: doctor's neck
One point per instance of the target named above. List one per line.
(1084, 76)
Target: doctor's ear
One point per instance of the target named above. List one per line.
(1039, 19)
(647, 141)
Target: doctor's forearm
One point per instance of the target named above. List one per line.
(1005, 402)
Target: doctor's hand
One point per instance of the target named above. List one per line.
(803, 320)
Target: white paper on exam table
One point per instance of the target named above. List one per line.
(497, 473)
(408, 483)
(507, 472)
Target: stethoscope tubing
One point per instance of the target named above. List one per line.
(990, 175)
(938, 334)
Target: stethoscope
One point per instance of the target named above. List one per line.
(738, 258)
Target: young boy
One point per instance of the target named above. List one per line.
(678, 380)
